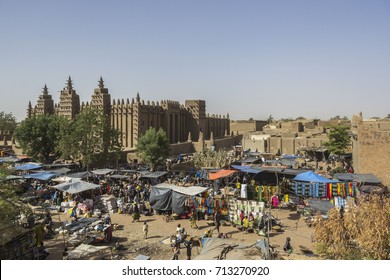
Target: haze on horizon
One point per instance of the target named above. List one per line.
(251, 59)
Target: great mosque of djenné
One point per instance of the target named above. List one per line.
(133, 118)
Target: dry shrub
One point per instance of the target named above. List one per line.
(362, 233)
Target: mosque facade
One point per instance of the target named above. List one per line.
(181, 122)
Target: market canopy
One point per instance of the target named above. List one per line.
(246, 169)
(194, 190)
(278, 170)
(59, 171)
(291, 157)
(360, 178)
(323, 206)
(28, 166)
(85, 251)
(75, 185)
(156, 174)
(213, 248)
(104, 171)
(310, 176)
(371, 189)
(220, 174)
(13, 177)
(118, 176)
(168, 197)
(79, 174)
(44, 176)
(251, 160)
(9, 159)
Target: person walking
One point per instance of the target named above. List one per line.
(287, 246)
(145, 229)
(217, 220)
(136, 214)
(188, 245)
(176, 251)
(245, 225)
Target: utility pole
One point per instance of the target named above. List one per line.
(268, 218)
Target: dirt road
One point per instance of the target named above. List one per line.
(130, 235)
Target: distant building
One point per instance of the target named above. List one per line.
(288, 137)
(246, 126)
(371, 147)
(133, 118)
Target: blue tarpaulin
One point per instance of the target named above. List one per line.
(310, 176)
(247, 169)
(41, 176)
(28, 166)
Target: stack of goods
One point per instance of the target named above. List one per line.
(89, 203)
(67, 205)
(85, 206)
(109, 203)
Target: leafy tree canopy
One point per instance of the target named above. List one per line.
(214, 159)
(153, 147)
(7, 122)
(89, 138)
(339, 140)
(10, 207)
(286, 119)
(270, 119)
(39, 136)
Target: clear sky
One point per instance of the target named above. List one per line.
(250, 59)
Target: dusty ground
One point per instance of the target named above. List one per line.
(131, 236)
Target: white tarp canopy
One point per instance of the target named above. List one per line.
(102, 171)
(213, 248)
(79, 174)
(59, 171)
(194, 190)
(85, 251)
(62, 179)
(75, 185)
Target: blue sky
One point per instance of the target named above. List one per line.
(250, 59)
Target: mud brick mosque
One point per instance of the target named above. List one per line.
(133, 117)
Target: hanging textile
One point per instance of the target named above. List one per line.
(244, 193)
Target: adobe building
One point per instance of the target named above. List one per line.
(247, 126)
(133, 118)
(371, 147)
(291, 137)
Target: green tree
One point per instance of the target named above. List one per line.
(10, 207)
(339, 140)
(270, 119)
(153, 147)
(336, 117)
(286, 119)
(39, 136)
(214, 159)
(7, 122)
(90, 138)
